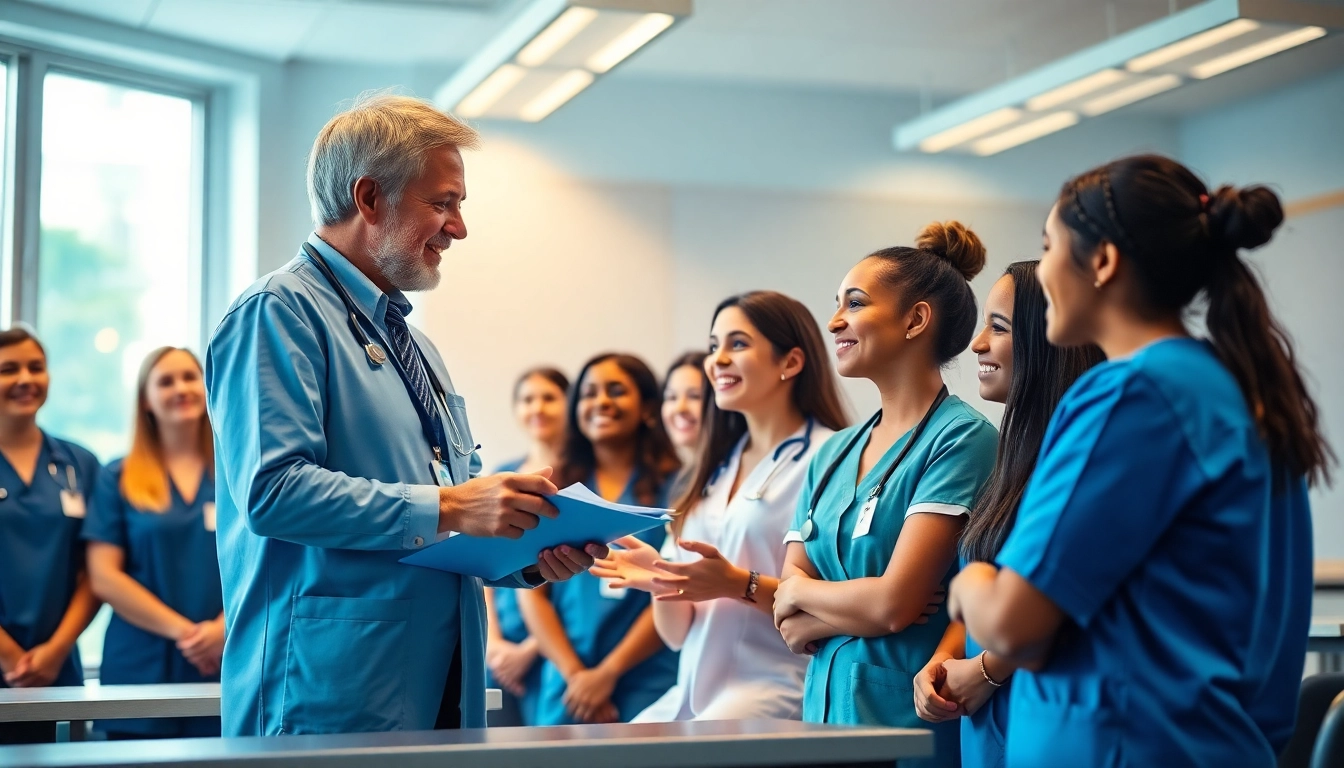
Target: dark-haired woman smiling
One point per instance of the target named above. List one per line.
(605, 662)
(1157, 584)
(1020, 368)
(883, 505)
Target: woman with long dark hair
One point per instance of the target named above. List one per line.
(605, 662)
(1022, 370)
(511, 657)
(775, 403)
(684, 396)
(1156, 586)
(45, 598)
(152, 554)
(875, 537)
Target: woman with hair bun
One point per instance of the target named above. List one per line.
(1156, 588)
(874, 540)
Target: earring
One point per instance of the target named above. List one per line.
(782, 377)
(908, 336)
(1097, 285)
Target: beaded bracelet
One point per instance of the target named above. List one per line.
(985, 672)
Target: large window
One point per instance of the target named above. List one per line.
(117, 265)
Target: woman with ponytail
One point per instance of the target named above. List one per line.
(1156, 587)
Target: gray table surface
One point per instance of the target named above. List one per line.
(115, 702)
(646, 745)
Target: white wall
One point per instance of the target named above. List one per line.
(1292, 138)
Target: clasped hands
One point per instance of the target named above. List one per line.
(37, 667)
(507, 505)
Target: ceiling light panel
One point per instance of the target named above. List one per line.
(551, 51)
(1194, 44)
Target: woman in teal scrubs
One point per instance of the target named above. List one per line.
(1157, 585)
(875, 537)
(45, 599)
(151, 534)
(512, 659)
(1019, 368)
(605, 662)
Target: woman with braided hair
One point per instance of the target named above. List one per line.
(1156, 588)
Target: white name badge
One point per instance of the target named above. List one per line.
(865, 522)
(208, 513)
(605, 589)
(442, 475)
(72, 504)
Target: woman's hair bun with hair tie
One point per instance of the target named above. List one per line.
(1244, 218)
(955, 242)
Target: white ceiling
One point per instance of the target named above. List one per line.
(949, 46)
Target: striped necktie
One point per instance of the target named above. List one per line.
(408, 355)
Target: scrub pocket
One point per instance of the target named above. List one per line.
(1050, 734)
(881, 696)
(459, 431)
(346, 667)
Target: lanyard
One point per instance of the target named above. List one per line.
(430, 423)
(809, 528)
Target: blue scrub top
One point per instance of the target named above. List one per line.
(869, 680)
(323, 482)
(513, 629)
(171, 554)
(1154, 523)
(984, 735)
(596, 618)
(41, 554)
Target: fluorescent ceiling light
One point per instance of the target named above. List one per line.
(1256, 52)
(561, 31)
(1025, 132)
(1080, 87)
(1192, 44)
(1184, 47)
(527, 70)
(637, 35)
(969, 130)
(566, 87)
(492, 90)
(1130, 94)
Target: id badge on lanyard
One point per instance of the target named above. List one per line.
(865, 521)
(442, 475)
(72, 501)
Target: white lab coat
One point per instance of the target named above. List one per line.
(734, 664)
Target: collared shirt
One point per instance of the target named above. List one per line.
(324, 481)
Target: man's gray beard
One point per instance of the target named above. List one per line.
(400, 262)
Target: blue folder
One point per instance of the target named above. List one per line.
(584, 517)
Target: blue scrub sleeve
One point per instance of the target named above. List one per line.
(106, 518)
(959, 464)
(1115, 468)
(266, 390)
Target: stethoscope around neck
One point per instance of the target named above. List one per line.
(378, 356)
(802, 442)
(54, 467)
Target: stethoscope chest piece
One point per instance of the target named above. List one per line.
(376, 354)
(4, 494)
(809, 528)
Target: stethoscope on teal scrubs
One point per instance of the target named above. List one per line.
(809, 528)
(430, 423)
(58, 459)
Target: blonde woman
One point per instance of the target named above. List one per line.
(151, 534)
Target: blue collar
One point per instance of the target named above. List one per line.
(368, 297)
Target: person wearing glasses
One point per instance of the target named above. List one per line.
(775, 403)
(342, 448)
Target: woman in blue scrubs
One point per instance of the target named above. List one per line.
(45, 599)
(512, 660)
(151, 534)
(874, 540)
(1157, 585)
(1020, 368)
(605, 662)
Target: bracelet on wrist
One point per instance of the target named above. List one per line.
(753, 584)
(985, 672)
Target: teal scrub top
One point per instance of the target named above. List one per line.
(323, 482)
(1155, 523)
(171, 554)
(869, 680)
(596, 618)
(41, 554)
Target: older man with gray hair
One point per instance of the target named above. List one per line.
(341, 447)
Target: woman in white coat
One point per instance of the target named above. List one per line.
(775, 402)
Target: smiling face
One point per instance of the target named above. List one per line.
(410, 241)
(1070, 297)
(993, 346)
(175, 392)
(609, 407)
(742, 366)
(684, 405)
(868, 324)
(540, 409)
(23, 380)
